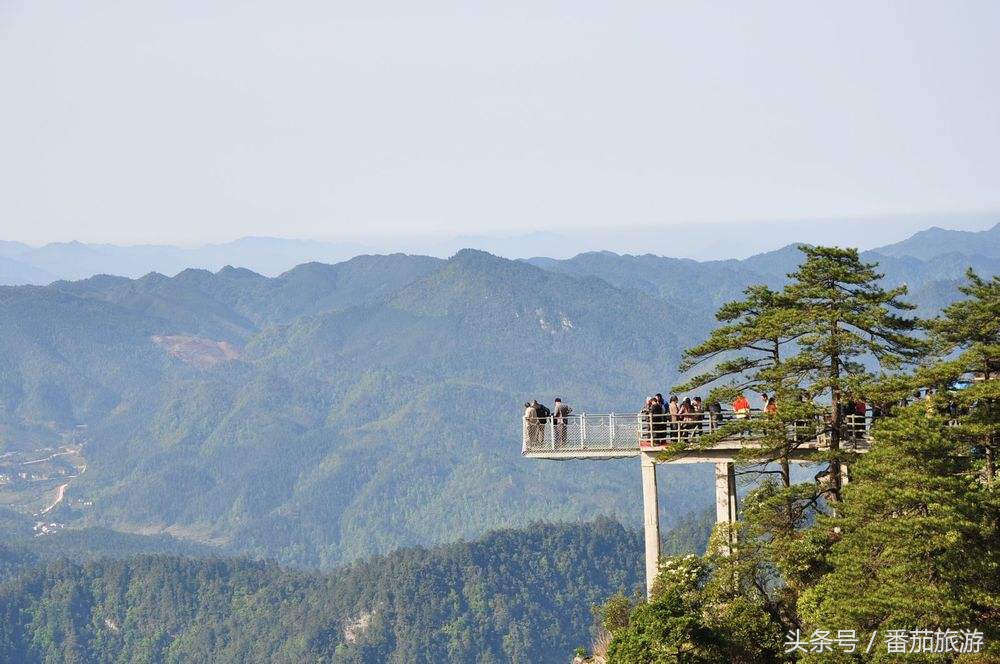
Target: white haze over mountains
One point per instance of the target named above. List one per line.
(24, 264)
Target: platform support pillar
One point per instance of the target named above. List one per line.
(726, 508)
(651, 518)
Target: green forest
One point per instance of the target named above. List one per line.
(512, 596)
(891, 555)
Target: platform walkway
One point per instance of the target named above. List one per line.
(619, 436)
(613, 436)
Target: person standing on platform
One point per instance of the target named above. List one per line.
(531, 421)
(646, 422)
(543, 414)
(714, 415)
(673, 410)
(741, 407)
(698, 407)
(560, 417)
(686, 414)
(657, 419)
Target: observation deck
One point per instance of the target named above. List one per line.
(642, 435)
(619, 436)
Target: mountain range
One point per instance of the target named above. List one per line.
(359, 424)
(338, 411)
(22, 264)
(332, 412)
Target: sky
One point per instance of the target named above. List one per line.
(189, 122)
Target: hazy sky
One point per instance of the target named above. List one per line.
(192, 121)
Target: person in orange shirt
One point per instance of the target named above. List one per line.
(772, 407)
(741, 406)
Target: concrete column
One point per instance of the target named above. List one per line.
(725, 493)
(651, 518)
(726, 508)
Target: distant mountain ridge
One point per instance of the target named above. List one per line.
(15, 272)
(934, 242)
(23, 264)
(234, 302)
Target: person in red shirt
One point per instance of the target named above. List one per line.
(741, 406)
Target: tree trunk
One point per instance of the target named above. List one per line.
(991, 455)
(835, 424)
(991, 461)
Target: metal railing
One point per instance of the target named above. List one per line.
(584, 432)
(631, 432)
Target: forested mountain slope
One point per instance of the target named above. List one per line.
(512, 596)
(233, 303)
(334, 411)
(700, 285)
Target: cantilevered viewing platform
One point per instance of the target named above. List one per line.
(615, 436)
(618, 436)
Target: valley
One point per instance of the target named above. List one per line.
(36, 485)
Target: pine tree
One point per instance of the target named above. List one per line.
(844, 316)
(972, 322)
(971, 327)
(915, 540)
(745, 354)
(749, 344)
(782, 553)
(918, 539)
